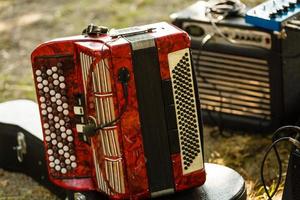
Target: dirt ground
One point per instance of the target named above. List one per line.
(26, 23)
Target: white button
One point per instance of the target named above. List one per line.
(56, 119)
(43, 105)
(49, 151)
(57, 168)
(52, 92)
(54, 142)
(66, 148)
(72, 158)
(42, 99)
(39, 79)
(59, 108)
(66, 155)
(44, 112)
(62, 86)
(40, 86)
(73, 164)
(62, 129)
(54, 69)
(46, 89)
(53, 135)
(68, 161)
(57, 125)
(70, 139)
(46, 125)
(66, 112)
(59, 102)
(47, 132)
(38, 72)
(50, 116)
(58, 95)
(61, 122)
(56, 82)
(69, 131)
(51, 164)
(45, 82)
(65, 105)
(63, 170)
(57, 161)
(48, 138)
(60, 145)
(61, 79)
(51, 158)
(49, 109)
(53, 99)
(61, 152)
(63, 135)
(49, 72)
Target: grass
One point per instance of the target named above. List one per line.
(26, 23)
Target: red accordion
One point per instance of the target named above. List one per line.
(120, 111)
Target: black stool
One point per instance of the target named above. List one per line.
(22, 116)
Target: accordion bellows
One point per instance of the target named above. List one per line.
(156, 147)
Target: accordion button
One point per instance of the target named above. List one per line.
(48, 138)
(55, 76)
(53, 135)
(56, 119)
(50, 116)
(46, 125)
(54, 142)
(47, 132)
(38, 72)
(73, 164)
(45, 82)
(53, 99)
(64, 135)
(58, 102)
(66, 112)
(60, 145)
(49, 109)
(72, 158)
(57, 168)
(56, 82)
(49, 72)
(39, 79)
(40, 86)
(59, 109)
(52, 92)
(62, 129)
(57, 95)
(62, 85)
(54, 69)
(49, 151)
(61, 78)
(57, 161)
(68, 161)
(51, 164)
(69, 131)
(63, 170)
(51, 158)
(61, 152)
(46, 89)
(66, 155)
(70, 139)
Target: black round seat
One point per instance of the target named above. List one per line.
(222, 183)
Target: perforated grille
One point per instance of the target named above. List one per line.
(186, 110)
(233, 84)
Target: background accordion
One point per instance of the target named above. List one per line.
(137, 86)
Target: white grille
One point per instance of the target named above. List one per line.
(186, 111)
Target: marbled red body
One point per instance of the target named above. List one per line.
(118, 53)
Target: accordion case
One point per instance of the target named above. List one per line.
(137, 87)
(250, 83)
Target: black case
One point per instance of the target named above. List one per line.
(15, 116)
(21, 119)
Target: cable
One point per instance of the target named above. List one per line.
(294, 141)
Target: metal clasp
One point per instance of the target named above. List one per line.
(22, 147)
